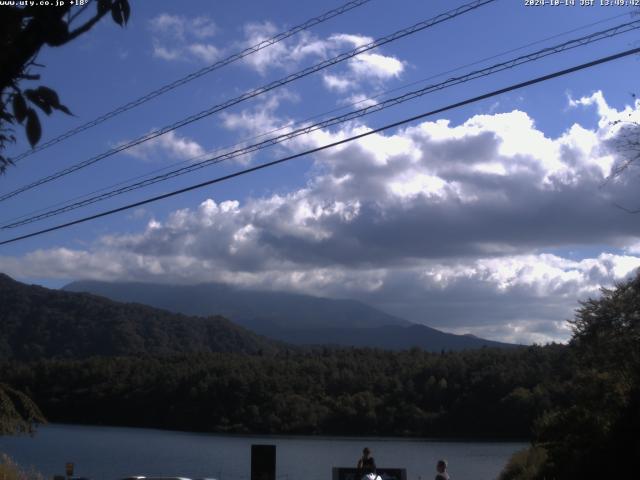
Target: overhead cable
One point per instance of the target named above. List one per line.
(405, 121)
(254, 93)
(304, 121)
(192, 76)
(491, 70)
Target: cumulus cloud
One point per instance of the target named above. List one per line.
(370, 66)
(359, 100)
(286, 54)
(350, 40)
(374, 65)
(179, 37)
(183, 38)
(521, 299)
(291, 53)
(263, 117)
(618, 131)
(170, 146)
(334, 82)
(260, 121)
(611, 120)
(180, 27)
(467, 227)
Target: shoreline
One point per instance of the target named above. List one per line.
(292, 436)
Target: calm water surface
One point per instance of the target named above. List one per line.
(110, 453)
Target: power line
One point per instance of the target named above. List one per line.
(258, 91)
(313, 117)
(493, 69)
(192, 76)
(462, 103)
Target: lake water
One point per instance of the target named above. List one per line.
(110, 453)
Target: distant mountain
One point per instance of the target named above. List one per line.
(292, 318)
(37, 322)
(285, 310)
(390, 337)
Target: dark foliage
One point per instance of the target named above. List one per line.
(481, 393)
(524, 465)
(594, 430)
(18, 413)
(36, 322)
(24, 30)
(150, 367)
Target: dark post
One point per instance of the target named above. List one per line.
(263, 462)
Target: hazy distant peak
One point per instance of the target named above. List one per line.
(285, 309)
(291, 317)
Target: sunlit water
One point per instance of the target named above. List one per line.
(110, 453)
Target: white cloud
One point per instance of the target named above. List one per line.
(291, 53)
(466, 227)
(183, 38)
(335, 82)
(206, 53)
(171, 25)
(287, 54)
(170, 146)
(268, 57)
(359, 100)
(522, 299)
(166, 53)
(348, 39)
(181, 27)
(374, 65)
(610, 118)
(261, 121)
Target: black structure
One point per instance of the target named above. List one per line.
(263, 462)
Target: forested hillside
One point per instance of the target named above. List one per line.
(578, 403)
(593, 432)
(485, 393)
(37, 322)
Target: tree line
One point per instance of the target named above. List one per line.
(479, 393)
(579, 403)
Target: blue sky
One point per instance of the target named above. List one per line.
(492, 219)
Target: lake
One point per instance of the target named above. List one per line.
(110, 453)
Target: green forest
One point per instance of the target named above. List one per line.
(37, 322)
(484, 392)
(578, 404)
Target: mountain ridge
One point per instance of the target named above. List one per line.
(292, 318)
(37, 322)
(207, 298)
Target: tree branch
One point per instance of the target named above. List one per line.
(79, 12)
(86, 27)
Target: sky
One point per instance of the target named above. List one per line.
(493, 219)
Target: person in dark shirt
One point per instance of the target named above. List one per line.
(441, 468)
(366, 464)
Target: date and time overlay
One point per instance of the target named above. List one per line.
(581, 3)
(526, 3)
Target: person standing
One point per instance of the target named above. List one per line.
(441, 468)
(366, 464)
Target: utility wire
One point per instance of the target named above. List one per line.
(491, 70)
(462, 103)
(192, 76)
(290, 124)
(255, 92)
(304, 121)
